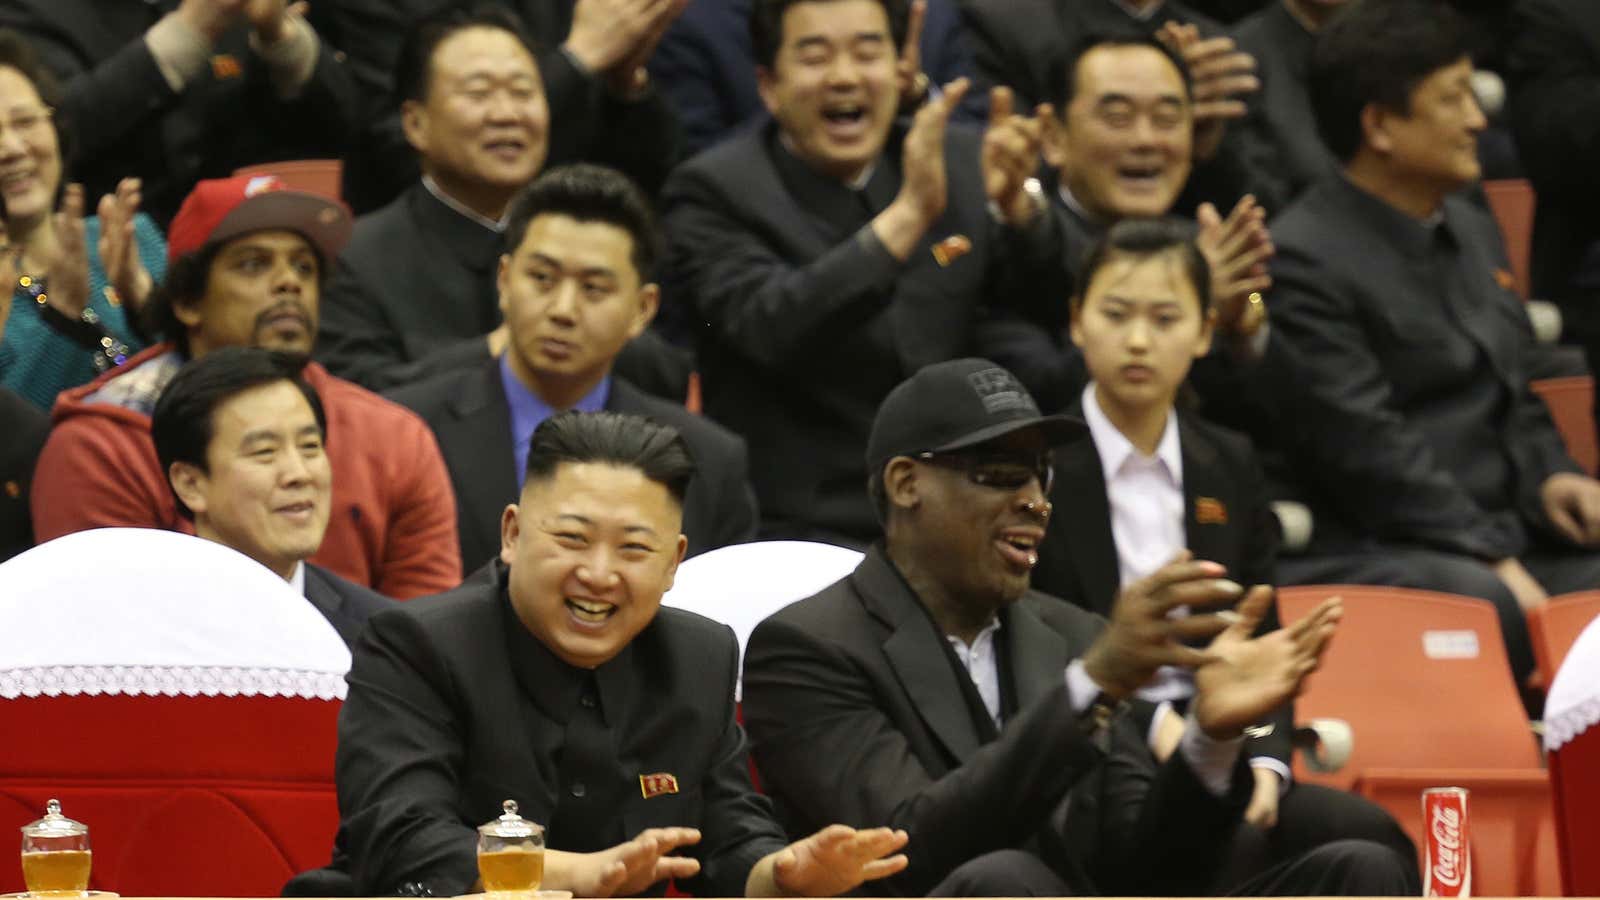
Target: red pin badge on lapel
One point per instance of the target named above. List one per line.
(225, 66)
(1210, 511)
(951, 249)
(658, 784)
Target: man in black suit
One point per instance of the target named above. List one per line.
(591, 56)
(575, 286)
(1416, 439)
(1282, 132)
(239, 435)
(173, 91)
(933, 690)
(831, 253)
(557, 680)
(413, 295)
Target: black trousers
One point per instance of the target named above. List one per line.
(1326, 843)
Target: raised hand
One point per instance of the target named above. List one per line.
(834, 860)
(1141, 638)
(68, 288)
(1247, 677)
(1011, 155)
(8, 272)
(119, 249)
(1237, 249)
(626, 869)
(923, 185)
(913, 84)
(617, 36)
(1220, 75)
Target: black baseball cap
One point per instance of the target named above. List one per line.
(959, 404)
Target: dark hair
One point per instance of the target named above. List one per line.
(414, 66)
(588, 193)
(1378, 51)
(1146, 237)
(16, 52)
(182, 285)
(181, 425)
(616, 439)
(1063, 69)
(766, 25)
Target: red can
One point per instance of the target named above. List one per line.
(1447, 853)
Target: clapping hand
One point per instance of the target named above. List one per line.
(1246, 677)
(1011, 156)
(69, 274)
(1237, 249)
(626, 869)
(119, 249)
(834, 860)
(913, 84)
(1220, 75)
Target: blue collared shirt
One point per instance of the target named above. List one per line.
(528, 410)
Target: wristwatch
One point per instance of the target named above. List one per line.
(1096, 719)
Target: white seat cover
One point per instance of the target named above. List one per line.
(142, 611)
(742, 584)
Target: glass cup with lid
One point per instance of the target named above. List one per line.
(55, 855)
(510, 854)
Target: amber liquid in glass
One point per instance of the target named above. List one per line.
(56, 873)
(512, 871)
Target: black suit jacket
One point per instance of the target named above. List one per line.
(858, 714)
(455, 707)
(1403, 381)
(809, 322)
(1227, 518)
(25, 427)
(1282, 144)
(588, 124)
(470, 416)
(345, 605)
(1554, 69)
(126, 120)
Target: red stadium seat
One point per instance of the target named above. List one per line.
(1512, 201)
(1423, 680)
(1571, 402)
(1556, 625)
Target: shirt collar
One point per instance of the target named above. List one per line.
(297, 579)
(438, 193)
(1075, 207)
(1115, 449)
(529, 409)
(986, 636)
(1134, 12)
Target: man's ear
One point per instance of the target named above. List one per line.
(1075, 326)
(187, 312)
(414, 124)
(672, 570)
(767, 87)
(1208, 331)
(649, 304)
(900, 484)
(510, 530)
(189, 483)
(1053, 141)
(1375, 128)
(502, 277)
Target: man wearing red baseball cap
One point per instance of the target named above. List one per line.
(247, 259)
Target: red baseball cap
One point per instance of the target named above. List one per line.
(219, 209)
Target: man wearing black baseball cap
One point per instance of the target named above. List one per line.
(247, 258)
(932, 690)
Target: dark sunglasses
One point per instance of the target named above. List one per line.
(1005, 472)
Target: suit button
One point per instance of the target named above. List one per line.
(578, 790)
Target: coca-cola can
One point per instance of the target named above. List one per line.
(1447, 852)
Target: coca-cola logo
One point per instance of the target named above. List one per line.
(1446, 828)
